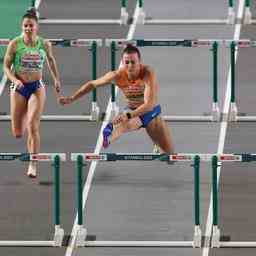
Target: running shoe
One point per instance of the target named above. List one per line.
(31, 173)
(106, 134)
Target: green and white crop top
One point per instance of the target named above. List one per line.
(29, 59)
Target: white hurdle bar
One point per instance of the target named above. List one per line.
(179, 157)
(95, 111)
(59, 232)
(57, 118)
(82, 21)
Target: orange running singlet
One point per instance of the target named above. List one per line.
(132, 89)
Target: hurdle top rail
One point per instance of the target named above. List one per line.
(64, 42)
(166, 42)
(120, 43)
(179, 157)
(40, 157)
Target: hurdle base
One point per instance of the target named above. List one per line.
(81, 236)
(188, 244)
(124, 16)
(114, 110)
(215, 112)
(58, 236)
(186, 21)
(56, 118)
(27, 243)
(246, 118)
(197, 237)
(215, 237)
(231, 16)
(95, 112)
(189, 118)
(80, 21)
(247, 16)
(237, 244)
(233, 112)
(141, 16)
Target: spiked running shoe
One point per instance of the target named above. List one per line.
(106, 134)
(31, 173)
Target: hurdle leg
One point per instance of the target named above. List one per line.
(81, 231)
(114, 108)
(95, 111)
(233, 107)
(215, 106)
(197, 230)
(59, 232)
(216, 231)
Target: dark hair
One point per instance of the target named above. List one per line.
(31, 14)
(129, 48)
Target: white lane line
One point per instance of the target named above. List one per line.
(93, 166)
(223, 126)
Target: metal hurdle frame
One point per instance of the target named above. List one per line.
(82, 158)
(234, 116)
(95, 111)
(50, 157)
(216, 243)
(142, 19)
(124, 17)
(114, 44)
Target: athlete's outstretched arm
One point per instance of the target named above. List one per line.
(8, 60)
(52, 66)
(89, 86)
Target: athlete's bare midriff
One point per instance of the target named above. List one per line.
(29, 76)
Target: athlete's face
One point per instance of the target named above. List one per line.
(131, 62)
(29, 27)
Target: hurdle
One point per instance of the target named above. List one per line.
(142, 19)
(234, 116)
(122, 21)
(114, 44)
(82, 158)
(92, 45)
(55, 158)
(216, 243)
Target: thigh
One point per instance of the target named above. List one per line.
(18, 110)
(160, 134)
(36, 105)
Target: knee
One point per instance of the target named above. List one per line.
(32, 128)
(128, 126)
(17, 134)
